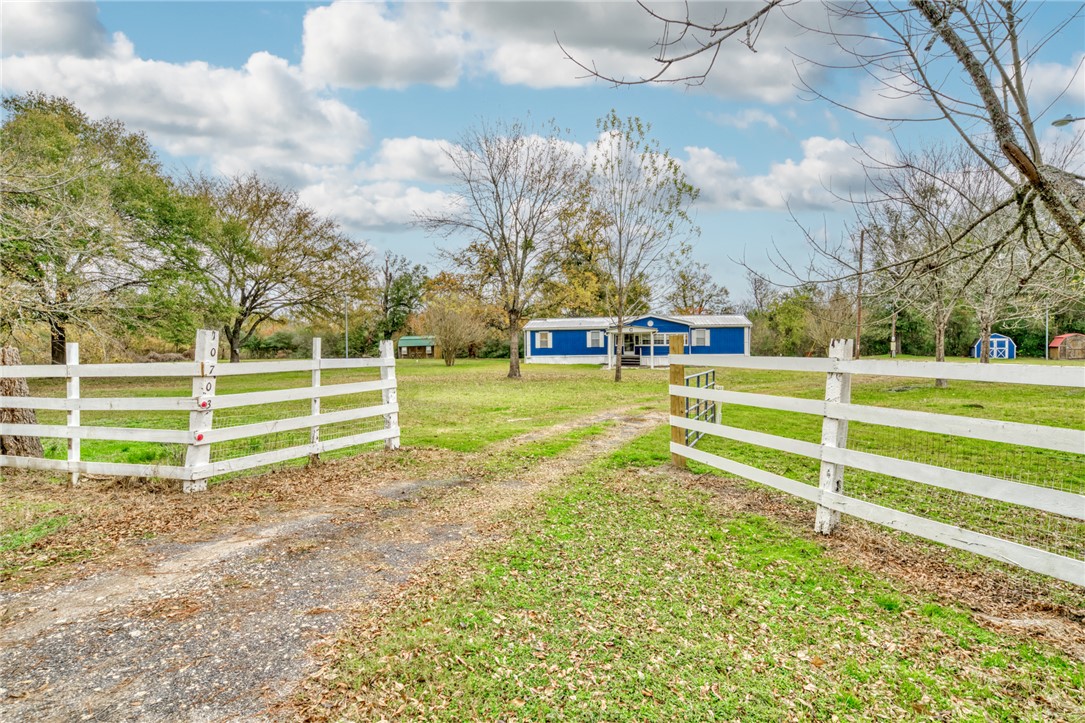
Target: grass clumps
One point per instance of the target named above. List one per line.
(21, 525)
(629, 597)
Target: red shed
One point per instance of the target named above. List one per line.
(1067, 347)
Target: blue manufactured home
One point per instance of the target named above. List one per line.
(645, 340)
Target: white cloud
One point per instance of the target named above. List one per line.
(892, 98)
(413, 158)
(357, 45)
(747, 118)
(1062, 85)
(68, 28)
(363, 206)
(517, 42)
(262, 116)
(360, 45)
(830, 169)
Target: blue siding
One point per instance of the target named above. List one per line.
(724, 340)
(661, 325)
(574, 342)
(568, 342)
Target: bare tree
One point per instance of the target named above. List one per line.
(831, 316)
(762, 293)
(931, 201)
(515, 185)
(455, 322)
(910, 49)
(644, 198)
(692, 290)
(271, 255)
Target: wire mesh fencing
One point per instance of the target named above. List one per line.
(1013, 470)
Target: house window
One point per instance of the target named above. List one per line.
(542, 340)
(665, 339)
(700, 337)
(595, 339)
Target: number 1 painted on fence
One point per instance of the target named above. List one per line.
(199, 422)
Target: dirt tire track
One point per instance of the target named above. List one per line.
(220, 630)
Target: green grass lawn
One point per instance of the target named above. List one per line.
(628, 596)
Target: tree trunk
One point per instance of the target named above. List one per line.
(985, 343)
(58, 339)
(514, 345)
(940, 350)
(17, 446)
(233, 337)
(619, 350)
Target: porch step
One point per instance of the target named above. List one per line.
(630, 360)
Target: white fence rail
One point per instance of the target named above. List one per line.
(837, 410)
(201, 434)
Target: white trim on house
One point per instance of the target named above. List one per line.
(575, 359)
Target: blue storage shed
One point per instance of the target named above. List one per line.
(644, 341)
(1002, 347)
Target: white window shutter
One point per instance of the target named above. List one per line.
(707, 341)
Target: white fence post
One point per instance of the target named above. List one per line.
(199, 422)
(834, 433)
(389, 396)
(314, 408)
(71, 357)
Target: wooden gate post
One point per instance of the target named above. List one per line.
(389, 396)
(677, 378)
(199, 422)
(71, 358)
(834, 433)
(314, 406)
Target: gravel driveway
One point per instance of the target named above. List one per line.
(221, 630)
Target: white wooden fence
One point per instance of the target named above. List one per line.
(201, 434)
(837, 410)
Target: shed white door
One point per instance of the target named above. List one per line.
(1000, 348)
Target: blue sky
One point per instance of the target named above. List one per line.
(351, 102)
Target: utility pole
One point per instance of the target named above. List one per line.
(893, 335)
(1047, 331)
(859, 295)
